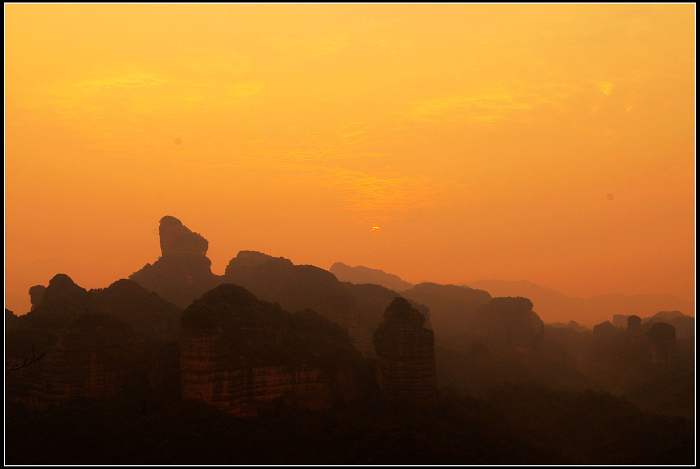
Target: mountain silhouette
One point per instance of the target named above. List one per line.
(553, 306)
(298, 287)
(361, 274)
(373, 300)
(453, 308)
(183, 272)
(98, 342)
(243, 354)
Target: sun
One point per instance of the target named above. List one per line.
(376, 230)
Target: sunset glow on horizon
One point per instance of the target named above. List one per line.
(548, 143)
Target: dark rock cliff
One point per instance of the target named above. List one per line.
(243, 354)
(96, 343)
(298, 287)
(453, 309)
(405, 353)
(183, 272)
(509, 323)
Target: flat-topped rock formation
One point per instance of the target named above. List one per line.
(298, 287)
(183, 272)
(509, 323)
(242, 354)
(453, 308)
(405, 353)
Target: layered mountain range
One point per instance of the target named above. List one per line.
(233, 350)
(270, 331)
(183, 274)
(553, 306)
(362, 274)
(96, 342)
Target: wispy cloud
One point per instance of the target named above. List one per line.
(243, 90)
(367, 196)
(359, 194)
(491, 103)
(120, 103)
(129, 82)
(476, 104)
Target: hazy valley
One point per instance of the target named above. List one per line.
(290, 364)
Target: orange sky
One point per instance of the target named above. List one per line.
(483, 140)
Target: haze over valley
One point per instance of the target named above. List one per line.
(269, 336)
(352, 234)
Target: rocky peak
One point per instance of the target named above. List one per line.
(634, 322)
(405, 353)
(662, 338)
(183, 272)
(61, 281)
(298, 287)
(634, 329)
(61, 287)
(35, 294)
(605, 329)
(97, 342)
(176, 238)
(400, 309)
(453, 308)
(233, 297)
(510, 323)
(246, 260)
(11, 320)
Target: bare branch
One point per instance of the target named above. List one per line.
(25, 363)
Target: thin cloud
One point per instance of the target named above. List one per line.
(489, 104)
(129, 82)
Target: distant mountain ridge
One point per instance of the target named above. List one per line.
(361, 274)
(183, 274)
(553, 306)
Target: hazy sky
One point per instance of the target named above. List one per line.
(554, 144)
